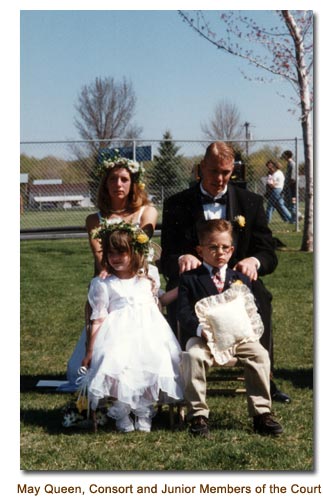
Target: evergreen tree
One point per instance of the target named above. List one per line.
(168, 174)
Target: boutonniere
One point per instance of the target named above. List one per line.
(235, 282)
(240, 221)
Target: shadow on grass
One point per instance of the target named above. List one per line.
(301, 378)
(51, 420)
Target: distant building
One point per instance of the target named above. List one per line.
(52, 193)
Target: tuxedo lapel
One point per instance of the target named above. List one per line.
(196, 206)
(206, 281)
(228, 278)
(232, 212)
(232, 205)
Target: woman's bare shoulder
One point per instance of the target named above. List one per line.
(92, 221)
(150, 210)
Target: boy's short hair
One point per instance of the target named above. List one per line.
(207, 227)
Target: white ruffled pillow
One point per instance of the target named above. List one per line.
(228, 319)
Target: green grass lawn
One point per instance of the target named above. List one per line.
(47, 218)
(54, 280)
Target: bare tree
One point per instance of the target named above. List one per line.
(104, 111)
(225, 124)
(284, 51)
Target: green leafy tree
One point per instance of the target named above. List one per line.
(168, 174)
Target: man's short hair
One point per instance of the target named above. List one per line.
(220, 151)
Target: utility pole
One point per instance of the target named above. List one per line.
(247, 136)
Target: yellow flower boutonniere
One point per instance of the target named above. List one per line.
(237, 282)
(240, 220)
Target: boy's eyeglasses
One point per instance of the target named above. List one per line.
(218, 248)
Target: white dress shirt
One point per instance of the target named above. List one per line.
(214, 210)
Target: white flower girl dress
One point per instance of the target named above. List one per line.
(136, 356)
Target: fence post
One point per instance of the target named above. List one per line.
(134, 150)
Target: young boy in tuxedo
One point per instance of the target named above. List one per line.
(213, 277)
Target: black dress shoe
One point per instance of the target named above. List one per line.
(265, 424)
(277, 395)
(199, 427)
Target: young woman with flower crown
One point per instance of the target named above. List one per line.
(121, 196)
(132, 354)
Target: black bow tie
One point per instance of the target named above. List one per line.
(207, 199)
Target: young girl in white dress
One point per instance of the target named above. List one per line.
(132, 354)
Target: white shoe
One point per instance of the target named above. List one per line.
(143, 424)
(125, 424)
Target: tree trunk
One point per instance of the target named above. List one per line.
(304, 95)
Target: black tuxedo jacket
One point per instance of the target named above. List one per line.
(193, 286)
(183, 210)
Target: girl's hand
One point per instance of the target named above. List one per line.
(86, 361)
(103, 274)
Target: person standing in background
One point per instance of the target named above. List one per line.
(290, 184)
(274, 190)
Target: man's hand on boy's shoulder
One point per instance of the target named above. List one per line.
(187, 262)
(248, 267)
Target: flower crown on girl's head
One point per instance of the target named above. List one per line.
(107, 162)
(138, 238)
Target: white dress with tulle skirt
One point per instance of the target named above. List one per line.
(78, 354)
(136, 356)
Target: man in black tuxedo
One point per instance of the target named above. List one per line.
(213, 197)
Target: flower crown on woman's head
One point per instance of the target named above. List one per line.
(138, 238)
(107, 162)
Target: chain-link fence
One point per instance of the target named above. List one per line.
(57, 187)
